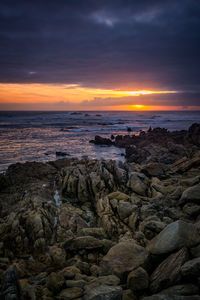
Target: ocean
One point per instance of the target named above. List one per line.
(38, 135)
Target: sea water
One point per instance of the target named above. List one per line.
(37, 136)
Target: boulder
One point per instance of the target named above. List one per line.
(191, 268)
(124, 257)
(173, 237)
(171, 297)
(168, 272)
(138, 279)
(58, 256)
(138, 183)
(192, 194)
(181, 289)
(103, 292)
(71, 293)
(83, 242)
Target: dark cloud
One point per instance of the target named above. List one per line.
(116, 44)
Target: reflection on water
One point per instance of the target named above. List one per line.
(36, 136)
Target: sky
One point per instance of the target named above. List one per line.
(99, 55)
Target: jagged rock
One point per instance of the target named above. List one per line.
(138, 183)
(173, 237)
(154, 169)
(124, 257)
(138, 279)
(191, 268)
(103, 292)
(168, 272)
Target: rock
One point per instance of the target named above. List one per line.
(192, 194)
(193, 134)
(138, 279)
(124, 257)
(97, 232)
(192, 210)
(27, 290)
(182, 289)
(171, 297)
(173, 237)
(58, 256)
(168, 272)
(60, 153)
(138, 183)
(55, 282)
(98, 140)
(110, 280)
(10, 286)
(125, 209)
(151, 228)
(69, 272)
(128, 295)
(71, 293)
(103, 292)
(195, 251)
(154, 169)
(191, 268)
(83, 242)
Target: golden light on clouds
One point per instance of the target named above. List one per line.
(37, 93)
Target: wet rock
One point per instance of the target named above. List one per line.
(173, 237)
(103, 292)
(168, 272)
(124, 257)
(98, 140)
(138, 279)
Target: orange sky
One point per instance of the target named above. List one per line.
(75, 97)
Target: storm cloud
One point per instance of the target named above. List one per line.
(113, 44)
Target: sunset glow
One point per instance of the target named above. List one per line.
(70, 96)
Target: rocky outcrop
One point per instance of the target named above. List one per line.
(89, 229)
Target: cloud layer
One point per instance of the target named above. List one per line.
(124, 44)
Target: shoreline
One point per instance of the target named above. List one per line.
(80, 229)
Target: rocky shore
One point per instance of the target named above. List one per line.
(105, 230)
